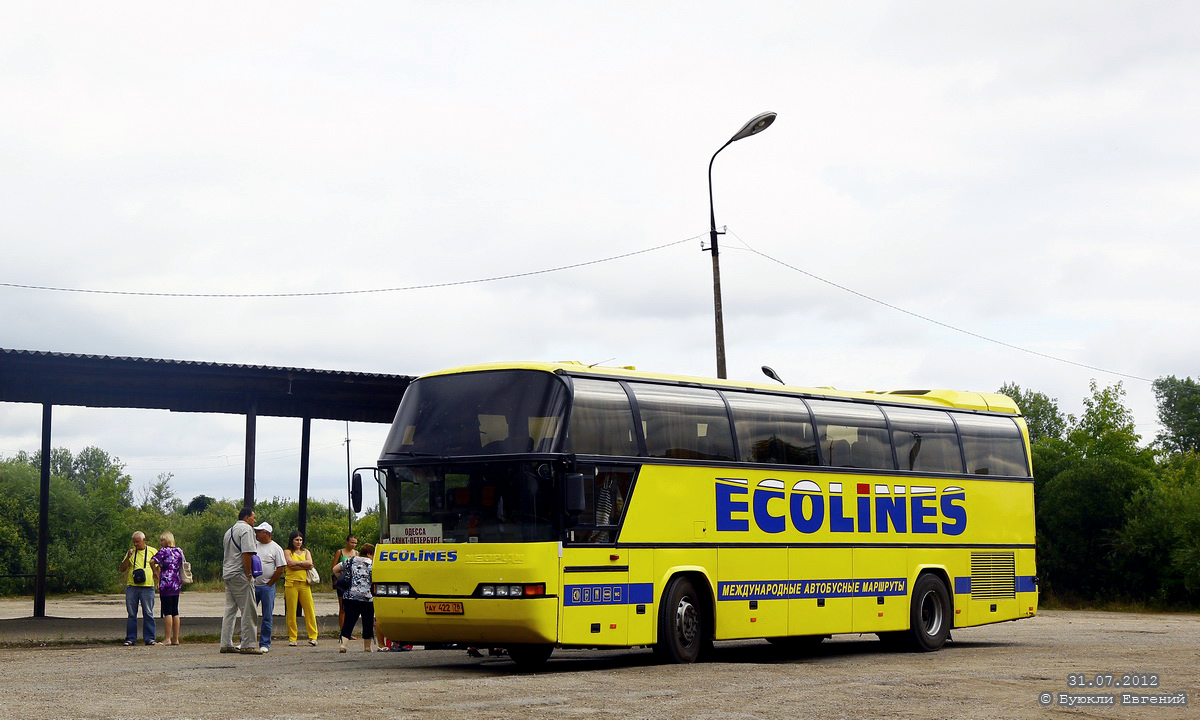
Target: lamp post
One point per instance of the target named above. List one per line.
(757, 124)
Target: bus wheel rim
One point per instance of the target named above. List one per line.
(687, 621)
(931, 614)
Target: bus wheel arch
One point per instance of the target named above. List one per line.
(931, 612)
(686, 619)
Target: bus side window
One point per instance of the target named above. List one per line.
(993, 445)
(606, 491)
(684, 423)
(601, 420)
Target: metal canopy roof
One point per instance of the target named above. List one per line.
(187, 386)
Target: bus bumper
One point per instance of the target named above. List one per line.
(483, 621)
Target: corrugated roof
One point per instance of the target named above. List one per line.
(197, 386)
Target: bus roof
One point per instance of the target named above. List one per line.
(961, 399)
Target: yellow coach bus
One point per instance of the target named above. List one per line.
(536, 505)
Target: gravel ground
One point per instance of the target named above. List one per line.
(997, 671)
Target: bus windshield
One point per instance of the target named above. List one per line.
(502, 501)
(483, 413)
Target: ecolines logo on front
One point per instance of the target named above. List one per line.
(860, 507)
(417, 556)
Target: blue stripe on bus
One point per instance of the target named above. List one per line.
(802, 589)
(608, 594)
(1024, 583)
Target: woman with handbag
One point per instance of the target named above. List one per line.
(357, 595)
(339, 556)
(296, 589)
(168, 562)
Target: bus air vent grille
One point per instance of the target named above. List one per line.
(993, 575)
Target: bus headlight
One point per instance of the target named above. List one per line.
(496, 590)
(393, 590)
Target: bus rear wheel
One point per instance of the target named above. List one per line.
(529, 657)
(930, 615)
(683, 635)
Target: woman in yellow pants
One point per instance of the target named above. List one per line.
(296, 590)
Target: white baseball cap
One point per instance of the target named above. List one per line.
(265, 526)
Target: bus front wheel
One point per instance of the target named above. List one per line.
(682, 627)
(930, 615)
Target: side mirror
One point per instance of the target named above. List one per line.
(576, 499)
(356, 493)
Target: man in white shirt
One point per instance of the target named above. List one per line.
(274, 565)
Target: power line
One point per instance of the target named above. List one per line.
(429, 286)
(937, 322)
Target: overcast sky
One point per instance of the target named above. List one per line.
(1026, 172)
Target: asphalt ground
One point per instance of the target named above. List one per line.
(1045, 667)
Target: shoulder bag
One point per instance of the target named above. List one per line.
(185, 569)
(314, 577)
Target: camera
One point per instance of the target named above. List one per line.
(139, 576)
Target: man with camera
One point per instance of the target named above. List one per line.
(141, 578)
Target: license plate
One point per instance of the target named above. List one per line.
(443, 608)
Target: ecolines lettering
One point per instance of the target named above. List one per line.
(417, 556)
(810, 510)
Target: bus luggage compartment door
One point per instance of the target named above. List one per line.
(596, 598)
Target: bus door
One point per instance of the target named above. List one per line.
(595, 606)
(598, 597)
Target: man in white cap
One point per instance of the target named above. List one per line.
(274, 564)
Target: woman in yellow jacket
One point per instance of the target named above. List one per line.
(296, 590)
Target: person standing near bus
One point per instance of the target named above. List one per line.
(296, 591)
(339, 556)
(140, 579)
(168, 566)
(358, 597)
(274, 565)
(237, 570)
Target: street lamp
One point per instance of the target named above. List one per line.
(757, 124)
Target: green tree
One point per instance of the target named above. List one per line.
(1041, 412)
(1106, 428)
(1159, 547)
(158, 495)
(198, 504)
(91, 470)
(1178, 413)
(1081, 511)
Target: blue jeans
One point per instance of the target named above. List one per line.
(135, 596)
(264, 595)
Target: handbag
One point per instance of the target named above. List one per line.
(185, 570)
(342, 582)
(313, 576)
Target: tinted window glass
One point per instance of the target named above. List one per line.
(993, 445)
(852, 435)
(687, 423)
(482, 413)
(601, 420)
(926, 440)
(503, 501)
(773, 429)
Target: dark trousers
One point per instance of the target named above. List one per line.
(354, 609)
